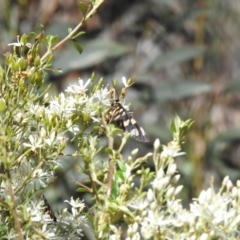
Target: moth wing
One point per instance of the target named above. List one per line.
(47, 209)
(123, 119)
(136, 131)
(118, 114)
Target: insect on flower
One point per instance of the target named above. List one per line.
(123, 119)
(47, 209)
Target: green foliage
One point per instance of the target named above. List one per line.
(175, 56)
(83, 6)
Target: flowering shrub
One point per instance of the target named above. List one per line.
(36, 129)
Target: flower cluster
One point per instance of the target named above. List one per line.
(151, 209)
(160, 214)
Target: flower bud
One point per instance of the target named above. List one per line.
(178, 190)
(170, 192)
(134, 152)
(225, 180)
(156, 144)
(171, 169)
(150, 195)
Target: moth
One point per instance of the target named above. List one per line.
(123, 119)
(47, 209)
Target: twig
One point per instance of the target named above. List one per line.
(74, 31)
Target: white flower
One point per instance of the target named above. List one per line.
(171, 151)
(75, 204)
(101, 96)
(124, 81)
(140, 204)
(158, 220)
(18, 44)
(78, 89)
(160, 184)
(34, 143)
(147, 230)
(72, 128)
(51, 139)
(204, 236)
(113, 237)
(20, 118)
(36, 110)
(61, 106)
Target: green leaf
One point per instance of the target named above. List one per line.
(108, 151)
(82, 190)
(115, 83)
(172, 126)
(78, 34)
(24, 39)
(177, 56)
(52, 39)
(115, 188)
(77, 46)
(121, 165)
(95, 52)
(84, 8)
(121, 175)
(69, 30)
(228, 136)
(182, 88)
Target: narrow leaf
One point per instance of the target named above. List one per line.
(177, 56)
(82, 190)
(77, 46)
(78, 34)
(83, 8)
(108, 151)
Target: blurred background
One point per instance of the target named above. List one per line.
(184, 56)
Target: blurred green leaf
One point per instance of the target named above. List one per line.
(181, 88)
(52, 39)
(83, 6)
(82, 190)
(233, 86)
(177, 56)
(120, 175)
(77, 46)
(228, 136)
(155, 130)
(59, 29)
(121, 165)
(78, 34)
(95, 52)
(2, 105)
(108, 151)
(115, 187)
(172, 126)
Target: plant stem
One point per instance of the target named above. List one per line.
(74, 31)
